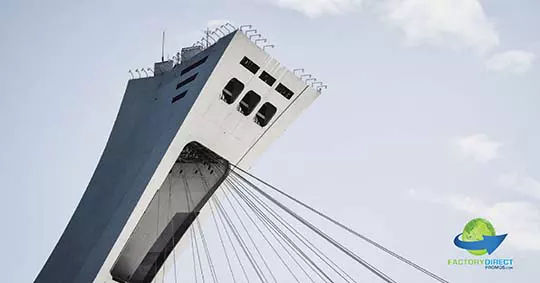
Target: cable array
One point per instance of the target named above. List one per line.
(254, 236)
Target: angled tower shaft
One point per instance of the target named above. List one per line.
(171, 146)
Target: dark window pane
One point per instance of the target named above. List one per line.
(250, 65)
(265, 114)
(178, 97)
(267, 78)
(248, 103)
(287, 93)
(186, 81)
(232, 90)
(193, 66)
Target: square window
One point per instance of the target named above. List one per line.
(248, 103)
(265, 114)
(232, 90)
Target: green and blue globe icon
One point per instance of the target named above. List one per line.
(475, 231)
(479, 237)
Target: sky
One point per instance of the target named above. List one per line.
(430, 118)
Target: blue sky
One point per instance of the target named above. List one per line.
(430, 118)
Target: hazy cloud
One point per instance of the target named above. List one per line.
(458, 23)
(447, 22)
(516, 61)
(314, 8)
(521, 220)
(479, 147)
(523, 184)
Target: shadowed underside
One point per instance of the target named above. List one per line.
(195, 176)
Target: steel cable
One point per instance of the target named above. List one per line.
(329, 262)
(325, 236)
(348, 229)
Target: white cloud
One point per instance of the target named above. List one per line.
(521, 220)
(516, 61)
(458, 23)
(314, 8)
(525, 185)
(479, 147)
(449, 23)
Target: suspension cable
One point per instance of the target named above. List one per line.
(346, 251)
(250, 238)
(265, 238)
(318, 271)
(240, 241)
(314, 267)
(299, 236)
(270, 226)
(348, 229)
(214, 201)
(194, 238)
(275, 235)
(324, 235)
(277, 231)
(236, 234)
(217, 226)
(221, 217)
(203, 240)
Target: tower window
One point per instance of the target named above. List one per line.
(267, 78)
(286, 92)
(265, 114)
(193, 66)
(178, 97)
(186, 81)
(232, 90)
(248, 103)
(250, 65)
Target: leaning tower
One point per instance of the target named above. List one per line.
(175, 137)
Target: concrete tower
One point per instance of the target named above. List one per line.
(175, 137)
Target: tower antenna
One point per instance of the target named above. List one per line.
(207, 32)
(163, 47)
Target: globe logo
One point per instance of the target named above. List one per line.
(479, 238)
